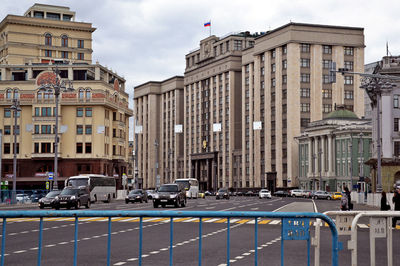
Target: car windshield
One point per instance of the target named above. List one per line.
(77, 182)
(185, 184)
(135, 192)
(69, 191)
(264, 191)
(52, 194)
(168, 188)
(222, 190)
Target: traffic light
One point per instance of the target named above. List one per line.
(332, 72)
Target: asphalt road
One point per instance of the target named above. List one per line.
(58, 237)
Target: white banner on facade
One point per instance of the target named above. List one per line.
(257, 125)
(138, 129)
(217, 127)
(178, 128)
(29, 128)
(101, 129)
(63, 128)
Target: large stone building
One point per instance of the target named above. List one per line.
(247, 96)
(93, 119)
(389, 102)
(159, 118)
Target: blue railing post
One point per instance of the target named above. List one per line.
(76, 242)
(109, 242)
(200, 237)
(39, 261)
(3, 241)
(282, 243)
(171, 240)
(140, 240)
(228, 241)
(255, 241)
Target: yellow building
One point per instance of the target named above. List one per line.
(93, 119)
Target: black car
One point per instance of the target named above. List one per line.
(170, 194)
(281, 193)
(138, 195)
(36, 196)
(48, 200)
(72, 197)
(222, 193)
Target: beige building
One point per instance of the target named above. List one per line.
(93, 119)
(285, 85)
(159, 119)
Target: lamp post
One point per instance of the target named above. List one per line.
(16, 108)
(361, 156)
(54, 84)
(319, 168)
(351, 161)
(314, 168)
(156, 166)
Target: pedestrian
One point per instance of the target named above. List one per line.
(345, 201)
(384, 204)
(348, 194)
(396, 202)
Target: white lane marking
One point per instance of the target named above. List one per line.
(49, 246)
(145, 255)
(19, 251)
(155, 252)
(253, 209)
(233, 220)
(35, 248)
(315, 206)
(239, 257)
(132, 259)
(362, 226)
(120, 263)
(24, 232)
(212, 220)
(86, 238)
(209, 208)
(12, 234)
(63, 243)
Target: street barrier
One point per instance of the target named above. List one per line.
(295, 226)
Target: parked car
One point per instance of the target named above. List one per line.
(249, 193)
(138, 195)
(72, 197)
(322, 195)
(36, 196)
(202, 195)
(170, 194)
(296, 193)
(208, 193)
(264, 193)
(48, 200)
(23, 198)
(337, 195)
(281, 193)
(150, 193)
(222, 193)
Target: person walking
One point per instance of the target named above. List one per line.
(396, 202)
(384, 204)
(345, 203)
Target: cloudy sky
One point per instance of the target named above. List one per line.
(146, 40)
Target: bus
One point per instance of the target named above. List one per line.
(191, 186)
(101, 187)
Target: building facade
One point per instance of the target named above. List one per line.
(93, 119)
(285, 85)
(332, 152)
(389, 127)
(158, 127)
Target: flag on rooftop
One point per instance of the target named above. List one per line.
(207, 24)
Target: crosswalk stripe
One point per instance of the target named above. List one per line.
(181, 219)
(275, 222)
(160, 219)
(213, 220)
(192, 220)
(264, 221)
(242, 221)
(221, 221)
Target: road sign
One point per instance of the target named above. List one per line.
(50, 175)
(47, 184)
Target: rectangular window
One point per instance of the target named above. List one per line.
(304, 48)
(304, 122)
(46, 129)
(48, 53)
(304, 62)
(37, 129)
(88, 112)
(64, 54)
(273, 68)
(284, 79)
(284, 64)
(273, 54)
(7, 148)
(7, 130)
(348, 65)
(284, 49)
(79, 147)
(305, 92)
(396, 101)
(81, 43)
(305, 107)
(262, 71)
(327, 49)
(37, 111)
(237, 45)
(273, 83)
(46, 147)
(81, 56)
(305, 78)
(396, 125)
(348, 51)
(348, 95)
(46, 111)
(79, 129)
(348, 80)
(16, 129)
(327, 108)
(36, 147)
(325, 79)
(88, 130)
(326, 64)
(88, 147)
(7, 112)
(397, 148)
(326, 94)
(79, 112)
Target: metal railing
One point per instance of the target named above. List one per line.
(295, 226)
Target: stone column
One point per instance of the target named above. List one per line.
(310, 157)
(330, 156)
(316, 168)
(323, 154)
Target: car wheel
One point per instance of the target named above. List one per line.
(95, 198)
(163, 205)
(88, 204)
(78, 205)
(108, 198)
(141, 201)
(57, 207)
(155, 205)
(328, 198)
(41, 206)
(126, 201)
(177, 204)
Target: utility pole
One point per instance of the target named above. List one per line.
(157, 177)
(16, 108)
(362, 157)
(319, 168)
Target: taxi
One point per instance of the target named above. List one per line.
(337, 195)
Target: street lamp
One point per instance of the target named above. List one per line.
(351, 161)
(319, 168)
(55, 85)
(156, 172)
(16, 108)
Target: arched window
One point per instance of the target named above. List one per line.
(39, 95)
(16, 93)
(9, 94)
(64, 41)
(47, 39)
(115, 97)
(81, 93)
(88, 94)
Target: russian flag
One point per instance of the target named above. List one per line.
(207, 24)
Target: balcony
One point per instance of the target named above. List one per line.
(36, 137)
(44, 155)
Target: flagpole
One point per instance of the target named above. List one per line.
(210, 27)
